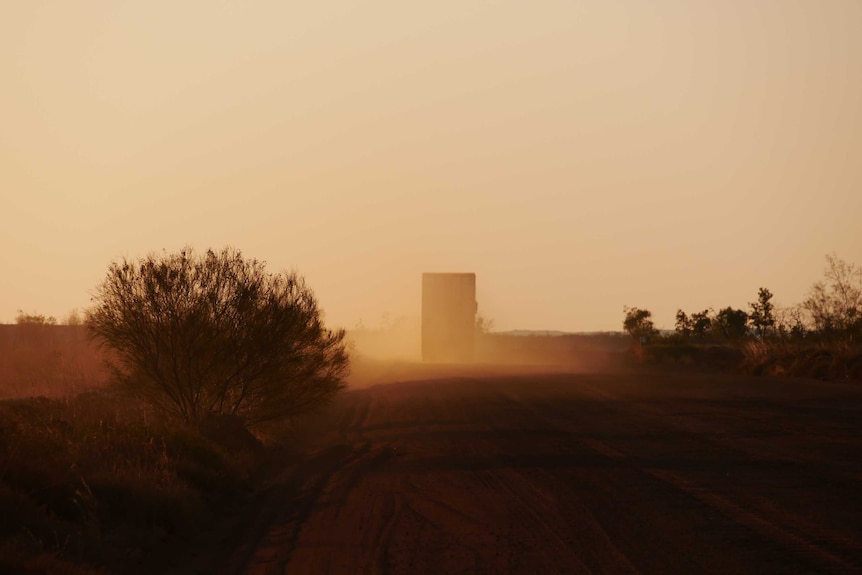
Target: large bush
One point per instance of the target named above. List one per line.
(198, 335)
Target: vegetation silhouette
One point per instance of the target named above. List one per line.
(761, 317)
(835, 303)
(638, 323)
(820, 337)
(730, 323)
(697, 325)
(216, 334)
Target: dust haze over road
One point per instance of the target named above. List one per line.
(500, 471)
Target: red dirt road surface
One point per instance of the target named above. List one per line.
(572, 473)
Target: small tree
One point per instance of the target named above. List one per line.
(683, 323)
(217, 334)
(790, 323)
(483, 325)
(701, 323)
(638, 323)
(731, 323)
(761, 317)
(74, 318)
(835, 305)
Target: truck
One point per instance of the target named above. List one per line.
(448, 317)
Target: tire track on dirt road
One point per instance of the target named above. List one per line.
(550, 474)
(269, 541)
(532, 505)
(780, 524)
(803, 538)
(335, 502)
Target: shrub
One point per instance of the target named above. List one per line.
(638, 323)
(217, 334)
(823, 360)
(835, 304)
(103, 480)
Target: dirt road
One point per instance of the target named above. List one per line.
(573, 473)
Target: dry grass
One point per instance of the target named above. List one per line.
(833, 360)
(706, 355)
(99, 479)
(818, 360)
(92, 481)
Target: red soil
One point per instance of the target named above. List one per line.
(568, 473)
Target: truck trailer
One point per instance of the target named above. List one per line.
(448, 317)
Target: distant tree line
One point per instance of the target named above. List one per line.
(831, 312)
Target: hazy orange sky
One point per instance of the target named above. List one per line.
(577, 155)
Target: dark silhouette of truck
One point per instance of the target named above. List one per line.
(448, 317)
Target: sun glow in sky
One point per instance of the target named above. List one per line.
(578, 156)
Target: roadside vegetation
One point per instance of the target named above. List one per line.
(821, 337)
(216, 336)
(129, 432)
(97, 480)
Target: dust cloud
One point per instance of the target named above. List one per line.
(393, 354)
